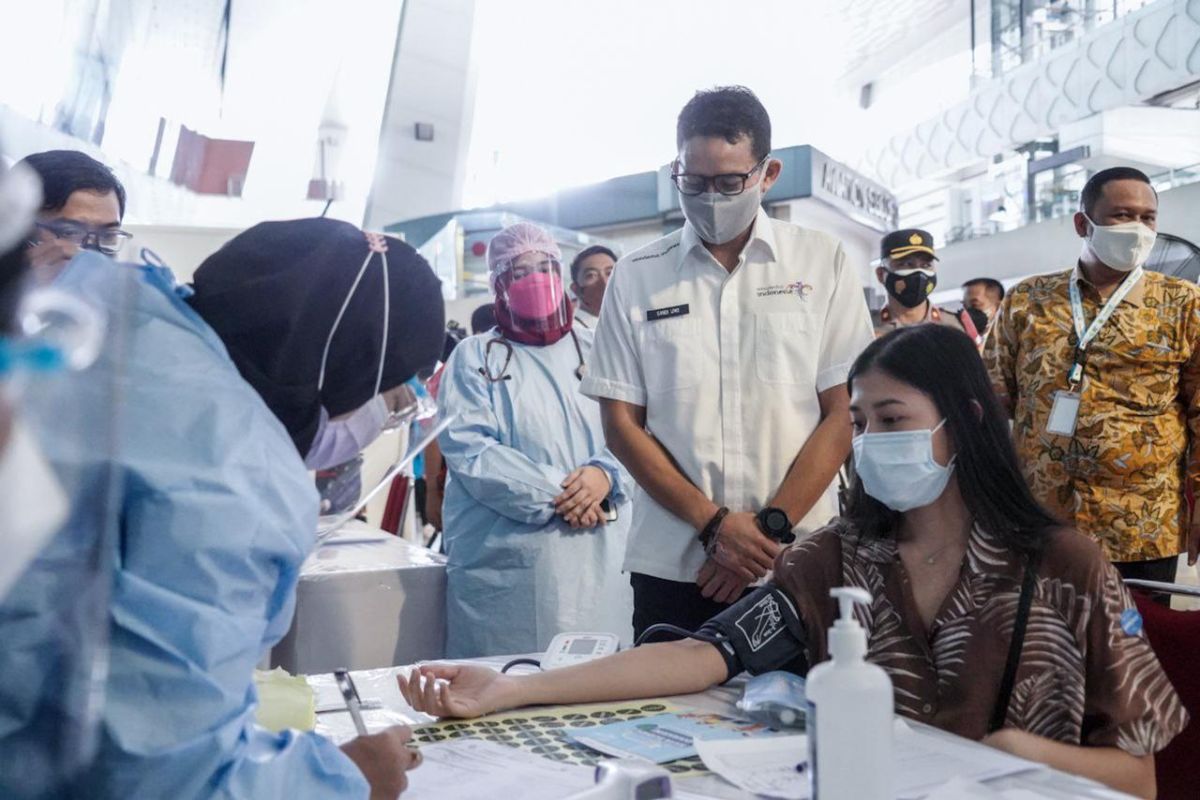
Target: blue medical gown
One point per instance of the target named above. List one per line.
(217, 515)
(517, 573)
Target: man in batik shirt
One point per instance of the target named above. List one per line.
(1100, 370)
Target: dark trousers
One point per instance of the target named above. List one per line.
(678, 603)
(1158, 569)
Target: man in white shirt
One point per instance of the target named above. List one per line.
(720, 365)
(591, 271)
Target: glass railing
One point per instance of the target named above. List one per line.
(1062, 201)
(1022, 31)
(1176, 177)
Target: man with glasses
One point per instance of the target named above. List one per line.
(591, 270)
(720, 364)
(83, 204)
(907, 271)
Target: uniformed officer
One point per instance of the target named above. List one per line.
(907, 271)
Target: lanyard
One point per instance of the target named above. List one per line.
(1085, 333)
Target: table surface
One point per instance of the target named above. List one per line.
(381, 684)
(359, 548)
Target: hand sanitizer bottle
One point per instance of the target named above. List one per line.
(850, 706)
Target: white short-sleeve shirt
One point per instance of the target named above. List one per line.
(728, 366)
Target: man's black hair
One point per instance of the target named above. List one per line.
(990, 283)
(585, 254)
(1095, 185)
(483, 318)
(64, 172)
(730, 112)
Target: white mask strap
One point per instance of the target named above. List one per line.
(376, 244)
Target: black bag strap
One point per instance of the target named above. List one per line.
(1016, 643)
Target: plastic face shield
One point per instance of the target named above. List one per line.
(533, 291)
(62, 386)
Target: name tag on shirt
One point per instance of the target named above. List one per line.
(655, 314)
(1063, 414)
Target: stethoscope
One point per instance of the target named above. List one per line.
(486, 371)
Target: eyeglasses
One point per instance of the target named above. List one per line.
(107, 240)
(729, 184)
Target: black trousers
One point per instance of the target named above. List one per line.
(1158, 569)
(678, 603)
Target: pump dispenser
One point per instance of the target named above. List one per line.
(850, 707)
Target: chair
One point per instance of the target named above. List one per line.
(397, 504)
(1175, 637)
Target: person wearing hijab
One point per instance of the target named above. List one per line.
(325, 324)
(536, 509)
(292, 324)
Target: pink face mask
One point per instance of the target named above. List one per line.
(535, 296)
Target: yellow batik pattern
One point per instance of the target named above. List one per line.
(1121, 477)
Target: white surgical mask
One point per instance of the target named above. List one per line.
(720, 218)
(339, 440)
(898, 469)
(1123, 247)
(33, 504)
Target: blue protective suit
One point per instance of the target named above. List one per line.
(517, 573)
(217, 514)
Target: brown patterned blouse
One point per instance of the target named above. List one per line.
(1087, 674)
(1120, 478)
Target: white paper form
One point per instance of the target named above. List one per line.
(763, 766)
(468, 769)
(923, 763)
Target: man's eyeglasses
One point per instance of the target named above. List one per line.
(729, 184)
(107, 240)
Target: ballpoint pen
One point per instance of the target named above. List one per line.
(350, 695)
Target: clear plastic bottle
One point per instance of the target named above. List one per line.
(850, 714)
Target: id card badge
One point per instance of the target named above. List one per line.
(1063, 413)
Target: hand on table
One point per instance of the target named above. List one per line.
(743, 549)
(453, 690)
(384, 758)
(583, 491)
(720, 583)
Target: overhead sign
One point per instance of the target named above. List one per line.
(848, 191)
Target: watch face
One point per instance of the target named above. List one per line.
(776, 521)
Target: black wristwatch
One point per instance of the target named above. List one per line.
(775, 524)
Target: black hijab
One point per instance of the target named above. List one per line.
(273, 293)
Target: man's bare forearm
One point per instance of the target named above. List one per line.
(819, 459)
(651, 465)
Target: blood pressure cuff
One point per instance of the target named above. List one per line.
(759, 633)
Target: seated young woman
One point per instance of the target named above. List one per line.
(943, 532)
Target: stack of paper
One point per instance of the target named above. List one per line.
(467, 769)
(774, 766)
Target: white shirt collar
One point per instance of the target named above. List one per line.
(764, 234)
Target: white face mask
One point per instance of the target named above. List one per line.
(339, 440)
(720, 218)
(899, 470)
(1123, 247)
(33, 504)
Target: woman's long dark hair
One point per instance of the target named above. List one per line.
(944, 364)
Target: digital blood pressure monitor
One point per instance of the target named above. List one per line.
(574, 648)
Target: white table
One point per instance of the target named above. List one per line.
(366, 599)
(381, 684)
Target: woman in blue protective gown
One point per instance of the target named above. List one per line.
(293, 329)
(536, 507)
